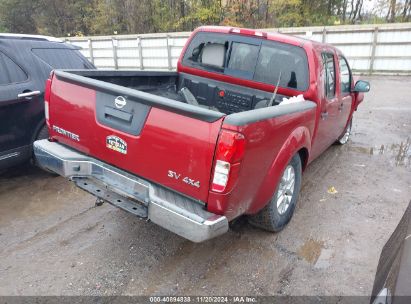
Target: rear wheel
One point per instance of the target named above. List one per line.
(280, 208)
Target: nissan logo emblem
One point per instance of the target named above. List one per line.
(120, 102)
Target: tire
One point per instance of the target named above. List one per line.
(343, 139)
(276, 215)
(43, 133)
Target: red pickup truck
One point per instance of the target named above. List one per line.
(228, 134)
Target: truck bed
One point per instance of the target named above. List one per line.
(168, 85)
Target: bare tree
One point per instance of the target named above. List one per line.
(406, 10)
(391, 11)
(356, 10)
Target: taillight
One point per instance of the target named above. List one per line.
(221, 174)
(47, 90)
(230, 151)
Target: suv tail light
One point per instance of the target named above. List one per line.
(47, 97)
(230, 151)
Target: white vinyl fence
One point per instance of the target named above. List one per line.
(370, 49)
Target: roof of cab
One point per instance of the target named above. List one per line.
(29, 37)
(275, 36)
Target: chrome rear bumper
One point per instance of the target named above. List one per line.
(171, 210)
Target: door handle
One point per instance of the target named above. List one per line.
(28, 94)
(324, 115)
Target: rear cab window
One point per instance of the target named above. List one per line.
(207, 52)
(284, 62)
(242, 60)
(62, 58)
(249, 58)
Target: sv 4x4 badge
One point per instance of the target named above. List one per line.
(187, 180)
(116, 143)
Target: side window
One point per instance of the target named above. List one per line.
(62, 58)
(10, 71)
(329, 66)
(4, 75)
(345, 76)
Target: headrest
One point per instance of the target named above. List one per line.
(213, 54)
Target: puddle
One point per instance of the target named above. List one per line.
(399, 154)
(362, 150)
(324, 260)
(311, 250)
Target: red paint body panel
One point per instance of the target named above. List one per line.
(171, 141)
(168, 141)
(270, 144)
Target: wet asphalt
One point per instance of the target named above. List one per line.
(54, 241)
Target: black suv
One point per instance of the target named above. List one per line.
(25, 63)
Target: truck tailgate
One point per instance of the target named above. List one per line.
(164, 141)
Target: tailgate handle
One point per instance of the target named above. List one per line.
(110, 112)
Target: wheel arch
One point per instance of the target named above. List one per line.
(298, 142)
(37, 130)
(304, 156)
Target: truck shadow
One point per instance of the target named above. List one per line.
(23, 170)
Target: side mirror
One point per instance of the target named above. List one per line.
(362, 86)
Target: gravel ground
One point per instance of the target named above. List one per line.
(54, 241)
